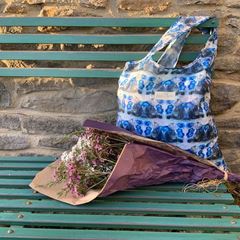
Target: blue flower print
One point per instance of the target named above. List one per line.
(169, 103)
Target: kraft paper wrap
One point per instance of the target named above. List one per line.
(142, 162)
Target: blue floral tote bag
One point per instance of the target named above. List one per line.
(171, 104)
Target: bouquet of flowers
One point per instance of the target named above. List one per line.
(89, 163)
(107, 159)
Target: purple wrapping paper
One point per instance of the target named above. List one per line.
(142, 162)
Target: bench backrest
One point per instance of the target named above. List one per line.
(126, 33)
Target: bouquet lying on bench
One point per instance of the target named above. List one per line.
(107, 159)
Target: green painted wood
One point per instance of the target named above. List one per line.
(94, 22)
(154, 196)
(134, 195)
(75, 234)
(86, 55)
(60, 72)
(22, 166)
(103, 207)
(14, 183)
(27, 158)
(93, 39)
(179, 187)
(120, 222)
(17, 174)
(23, 183)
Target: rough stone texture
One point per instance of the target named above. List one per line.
(94, 3)
(53, 11)
(148, 7)
(229, 138)
(30, 85)
(225, 44)
(228, 64)
(234, 23)
(82, 100)
(5, 98)
(10, 121)
(224, 96)
(200, 2)
(44, 109)
(57, 142)
(232, 3)
(32, 2)
(13, 142)
(47, 124)
(224, 121)
(15, 8)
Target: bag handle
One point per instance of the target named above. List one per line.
(208, 53)
(177, 34)
(170, 56)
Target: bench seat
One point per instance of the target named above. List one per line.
(151, 213)
(155, 212)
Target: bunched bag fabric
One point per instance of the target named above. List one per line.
(171, 104)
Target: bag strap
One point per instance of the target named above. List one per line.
(170, 56)
(208, 53)
(175, 37)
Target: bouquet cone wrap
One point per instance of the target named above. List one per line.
(142, 162)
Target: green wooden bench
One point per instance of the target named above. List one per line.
(156, 212)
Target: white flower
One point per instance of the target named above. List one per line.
(64, 156)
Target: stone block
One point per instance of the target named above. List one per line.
(229, 138)
(228, 63)
(232, 158)
(224, 96)
(201, 2)
(10, 121)
(75, 100)
(62, 142)
(36, 84)
(5, 97)
(47, 124)
(55, 11)
(15, 8)
(13, 142)
(147, 7)
(234, 23)
(226, 42)
(94, 3)
(232, 3)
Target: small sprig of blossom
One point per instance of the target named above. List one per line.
(88, 164)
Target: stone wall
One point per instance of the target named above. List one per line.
(36, 113)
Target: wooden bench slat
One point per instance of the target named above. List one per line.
(133, 196)
(94, 22)
(60, 72)
(148, 195)
(74, 234)
(17, 174)
(14, 183)
(100, 206)
(94, 39)
(22, 166)
(120, 222)
(27, 158)
(86, 55)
